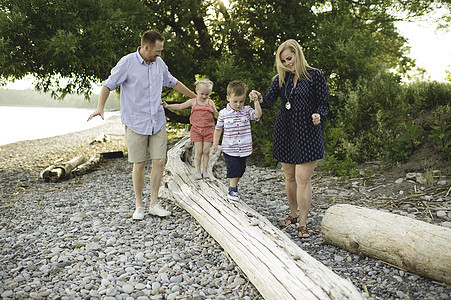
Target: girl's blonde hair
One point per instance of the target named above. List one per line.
(206, 82)
(301, 65)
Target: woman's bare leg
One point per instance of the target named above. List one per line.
(291, 188)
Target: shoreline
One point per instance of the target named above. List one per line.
(46, 122)
(21, 162)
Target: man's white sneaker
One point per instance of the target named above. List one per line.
(138, 214)
(157, 210)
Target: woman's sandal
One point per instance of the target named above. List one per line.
(303, 232)
(288, 221)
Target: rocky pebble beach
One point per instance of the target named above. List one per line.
(264, 191)
(75, 239)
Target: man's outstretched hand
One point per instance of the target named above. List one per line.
(97, 112)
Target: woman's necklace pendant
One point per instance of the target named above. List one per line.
(288, 104)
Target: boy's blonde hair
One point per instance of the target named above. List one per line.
(236, 88)
(205, 82)
(301, 65)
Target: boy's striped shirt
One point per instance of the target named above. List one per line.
(237, 138)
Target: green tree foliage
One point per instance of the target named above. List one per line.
(440, 129)
(76, 40)
(82, 39)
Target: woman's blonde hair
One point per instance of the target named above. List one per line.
(206, 82)
(301, 65)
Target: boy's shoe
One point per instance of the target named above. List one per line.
(205, 175)
(157, 210)
(198, 175)
(233, 195)
(138, 214)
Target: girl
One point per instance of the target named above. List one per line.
(203, 112)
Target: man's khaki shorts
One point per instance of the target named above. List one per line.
(138, 145)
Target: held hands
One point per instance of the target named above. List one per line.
(316, 118)
(165, 105)
(255, 96)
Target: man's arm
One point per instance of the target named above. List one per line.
(103, 96)
(181, 88)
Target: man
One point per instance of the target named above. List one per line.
(141, 76)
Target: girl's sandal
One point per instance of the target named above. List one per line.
(303, 232)
(288, 221)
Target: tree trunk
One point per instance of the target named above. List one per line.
(413, 245)
(277, 267)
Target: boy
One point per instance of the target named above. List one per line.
(237, 141)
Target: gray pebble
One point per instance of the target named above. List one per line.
(446, 224)
(127, 288)
(82, 244)
(441, 214)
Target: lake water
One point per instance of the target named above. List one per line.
(29, 123)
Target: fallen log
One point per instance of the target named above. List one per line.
(277, 267)
(413, 245)
(77, 166)
(61, 171)
(87, 166)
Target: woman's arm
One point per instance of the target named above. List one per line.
(320, 90)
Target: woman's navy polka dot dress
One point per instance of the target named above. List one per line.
(296, 139)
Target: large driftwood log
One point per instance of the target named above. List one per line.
(276, 266)
(61, 171)
(413, 245)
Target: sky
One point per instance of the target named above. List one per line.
(430, 48)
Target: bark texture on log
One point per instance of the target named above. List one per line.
(413, 245)
(77, 166)
(277, 267)
(87, 166)
(61, 171)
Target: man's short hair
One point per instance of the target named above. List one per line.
(151, 36)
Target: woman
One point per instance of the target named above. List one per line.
(299, 128)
